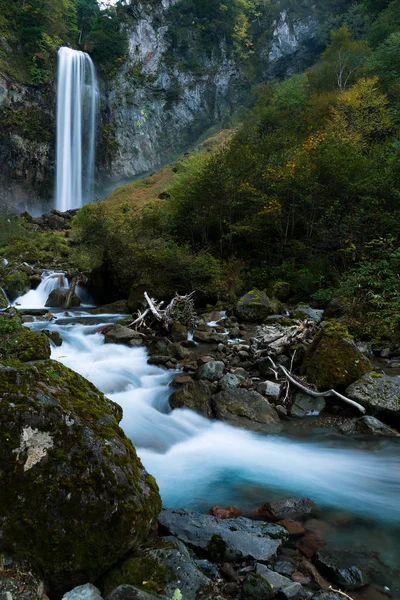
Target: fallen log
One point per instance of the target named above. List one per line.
(314, 393)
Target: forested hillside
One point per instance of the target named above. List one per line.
(303, 200)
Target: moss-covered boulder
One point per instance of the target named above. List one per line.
(58, 299)
(25, 345)
(74, 495)
(333, 360)
(256, 306)
(16, 284)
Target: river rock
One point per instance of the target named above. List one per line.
(118, 307)
(210, 337)
(228, 512)
(279, 583)
(195, 395)
(287, 508)
(246, 408)
(229, 381)
(163, 565)
(129, 592)
(270, 389)
(379, 393)
(366, 425)
(83, 592)
(333, 359)
(77, 497)
(255, 306)
(326, 595)
(211, 371)
(58, 297)
(256, 587)
(304, 312)
(346, 569)
(54, 337)
(305, 405)
(118, 334)
(178, 332)
(224, 539)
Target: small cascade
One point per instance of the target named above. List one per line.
(37, 298)
(76, 129)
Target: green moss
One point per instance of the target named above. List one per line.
(333, 360)
(24, 345)
(146, 571)
(216, 548)
(16, 284)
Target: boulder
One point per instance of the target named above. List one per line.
(58, 298)
(287, 508)
(210, 371)
(348, 570)
(270, 388)
(210, 337)
(279, 583)
(229, 512)
(119, 334)
(256, 587)
(255, 306)
(336, 308)
(118, 307)
(128, 592)
(178, 332)
(83, 592)
(306, 406)
(333, 360)
(195, 395)
(303, 312)
(229, 381)
(224, 539)
(379, 393)
(248, 409)
(16, 284)
(54, 337)
(77, 497)
(164, 565)
(367, 425)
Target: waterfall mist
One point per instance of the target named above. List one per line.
(76, 129)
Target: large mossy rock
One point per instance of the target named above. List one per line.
(16, 284)
(333, 360)
(58, 298)
(256, 306)
(20, 343)
(74, 495)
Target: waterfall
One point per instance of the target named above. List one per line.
(76, 129)
(37, 298)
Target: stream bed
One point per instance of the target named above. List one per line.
(198, 463)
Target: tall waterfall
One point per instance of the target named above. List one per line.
(76, 128)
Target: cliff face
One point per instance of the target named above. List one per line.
(155, 108)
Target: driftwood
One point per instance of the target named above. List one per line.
(181, 308)
(71, 292)
(340, 593)
(312, 392)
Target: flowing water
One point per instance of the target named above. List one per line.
(198, 463)
(76, 128)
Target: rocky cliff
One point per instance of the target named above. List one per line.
(156, 106)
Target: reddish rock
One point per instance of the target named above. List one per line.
(229, 512)
(293, 527)
(312, 571)
(180, 380)
(310, 543)
(301, 578)
(205, 359)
